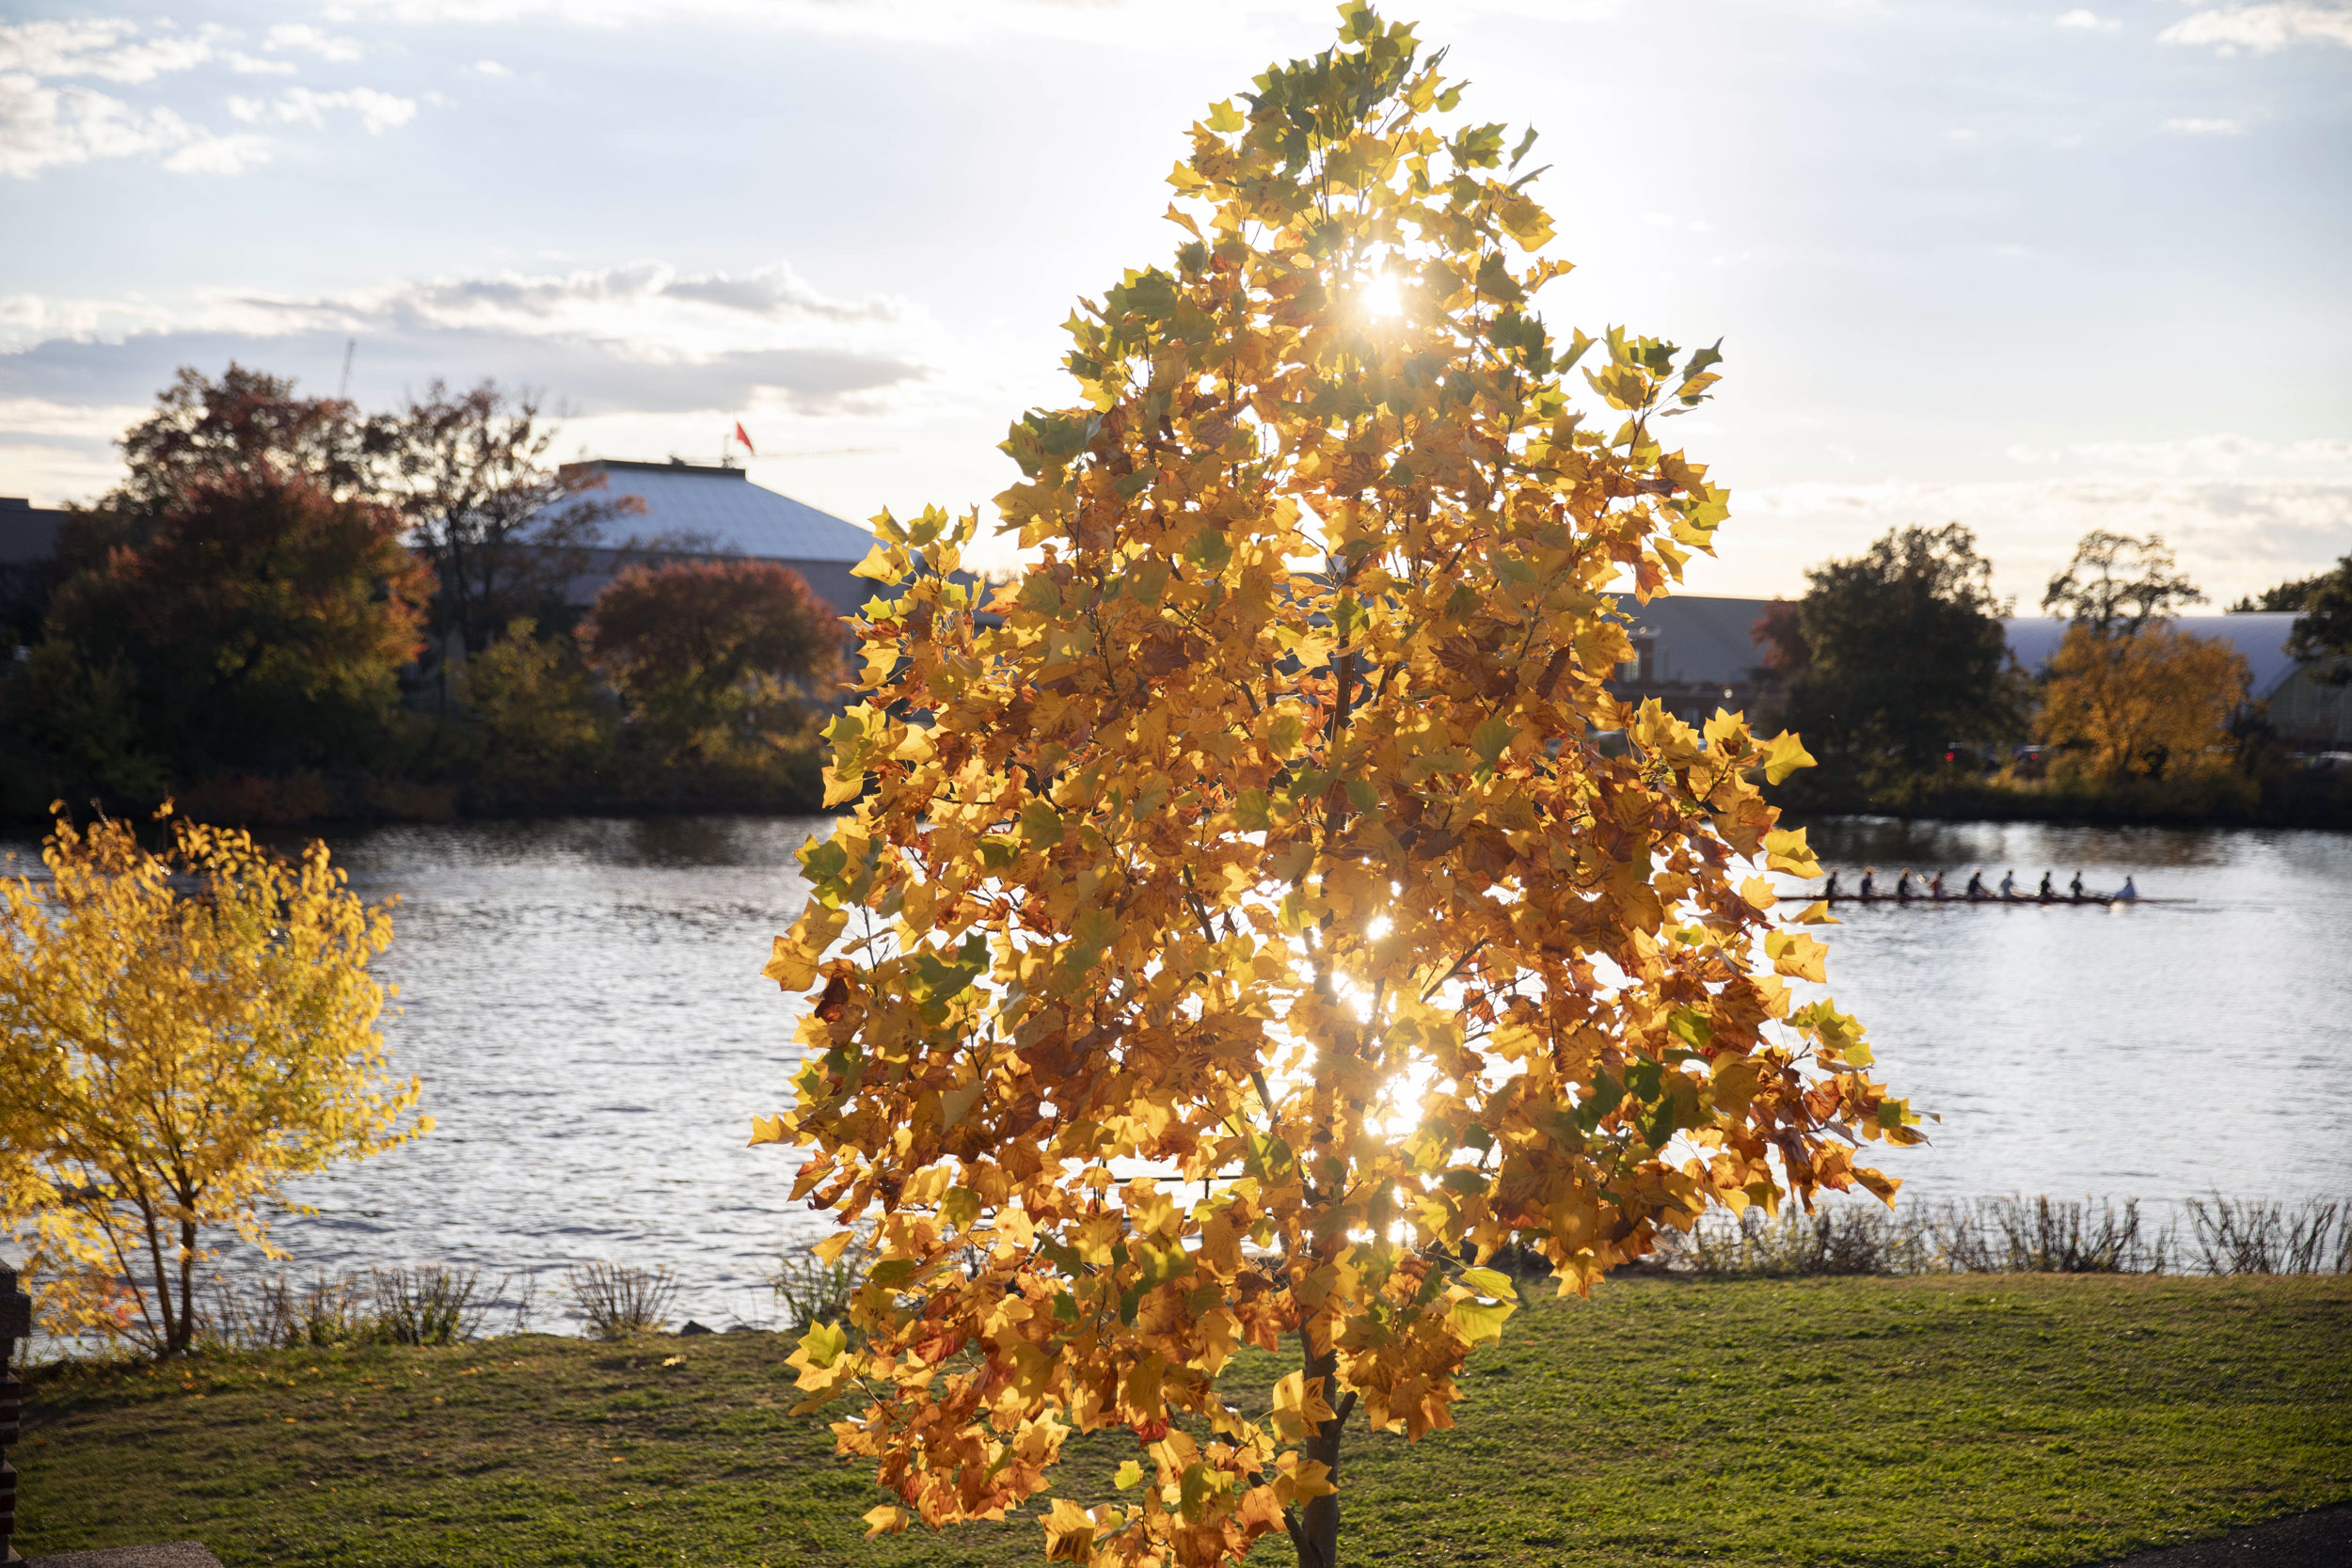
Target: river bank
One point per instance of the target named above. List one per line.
(2291, 796)
(1972, 1421)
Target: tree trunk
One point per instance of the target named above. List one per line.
(1318, 1533)
(163, 1274)
(188, 1285)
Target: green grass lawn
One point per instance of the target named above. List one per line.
(1972, 1420)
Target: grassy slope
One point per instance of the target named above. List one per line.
(1970, 1420)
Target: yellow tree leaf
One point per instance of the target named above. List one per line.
(1783, 755)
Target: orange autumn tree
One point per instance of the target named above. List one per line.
(1247, 937)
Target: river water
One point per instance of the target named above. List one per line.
(583, 1002)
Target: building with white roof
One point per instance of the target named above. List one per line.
(1695, 652)
(715, 510)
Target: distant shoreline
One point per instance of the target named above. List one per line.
(2325, 804)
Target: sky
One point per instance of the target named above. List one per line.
(2034, 269)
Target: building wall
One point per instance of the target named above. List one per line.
(1696, 653)
(830, 580)
(28, 545)
(2308, 712)
(28, 533)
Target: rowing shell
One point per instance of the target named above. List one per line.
(2087, 900)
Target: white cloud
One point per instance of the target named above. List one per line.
(311, 40)
(49, 121)
(948, 22)
(208, 153)
(491, 68)
(638, 302)
(2089, 21)
(2234, 536)
(108, 49)
(45, 127)
(642, 331)
(378, 111)
(631, 357)
(2244, 513)
(2264, 27)
(2195, 127)
(42, 417)
(2224, 455)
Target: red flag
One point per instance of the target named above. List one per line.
(745, 440)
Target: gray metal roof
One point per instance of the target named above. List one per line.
(2261, 637)
(724, 504)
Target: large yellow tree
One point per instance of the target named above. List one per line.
(180, 1032)
(1250, 935)
(2150, 702)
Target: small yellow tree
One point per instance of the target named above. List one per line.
(2153, 703)
(179, 1034)
(1250, 936)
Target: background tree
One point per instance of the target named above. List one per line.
(1892, 656)
(2117, 584)
(2127, 694)
(2294, 594)
(546, 726)
(258, 620)
(2155, 704)
(718, 661)
(68, 723)
(1215, 953)
(504, 531)
(246, 424)
(181, 1033)
(2323, 629)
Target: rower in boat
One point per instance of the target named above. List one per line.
(2046, 892)
(1935, 888)
(1975, 883)
(2128, 893)
(1869, 874)
(2009, 883)
(2075, 887)
(1902, 886)
(1831, 891)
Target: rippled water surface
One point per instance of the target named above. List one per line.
(2162, 1050)
(583, 1002)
